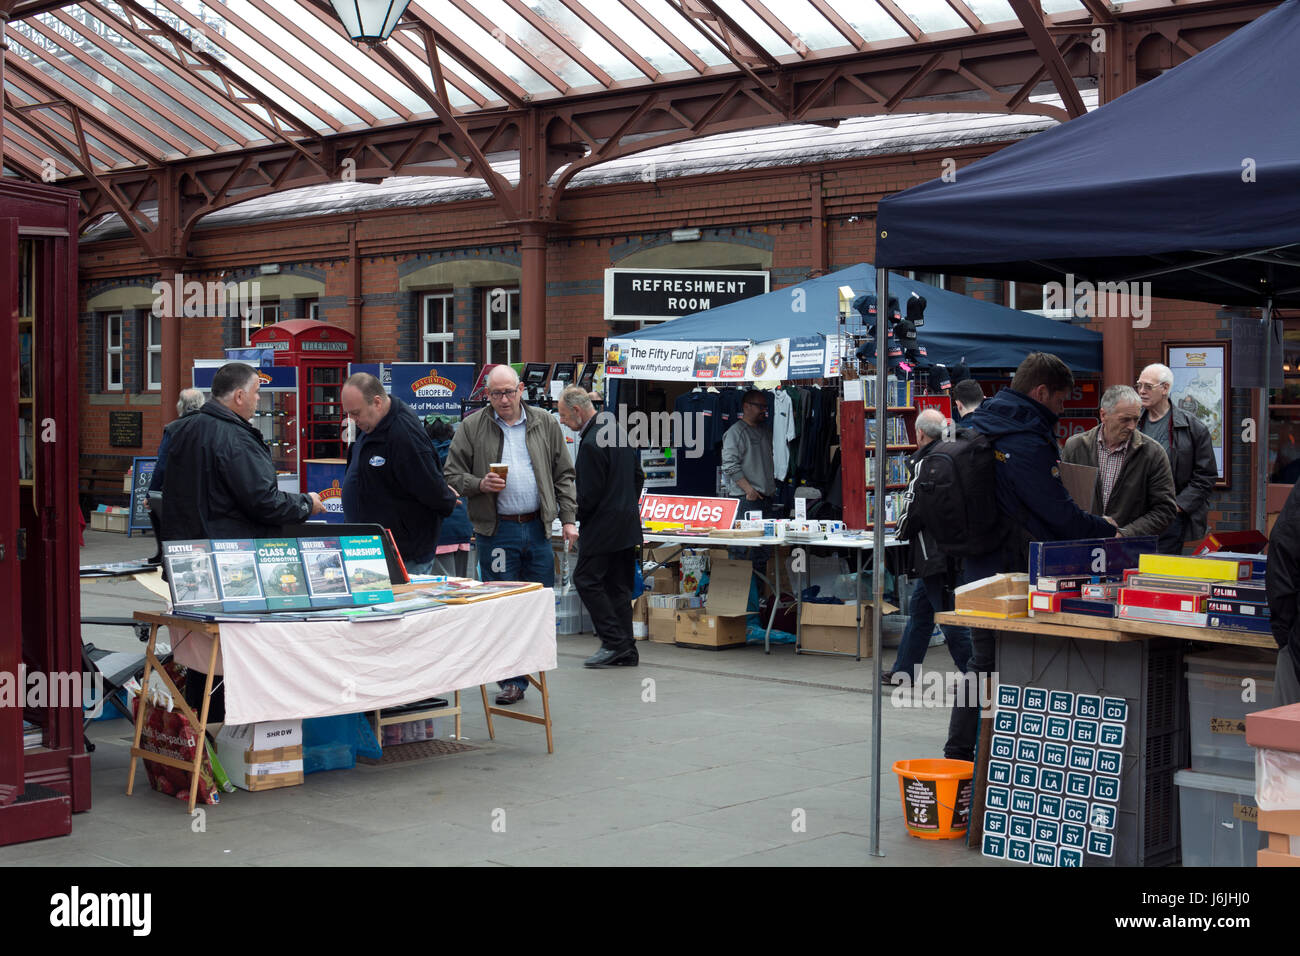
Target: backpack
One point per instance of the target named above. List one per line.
(953, 496)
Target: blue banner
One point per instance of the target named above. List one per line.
(432, 389)
(280, 378)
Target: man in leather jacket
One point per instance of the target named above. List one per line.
(220, 480)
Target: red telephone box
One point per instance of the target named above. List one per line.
(44, 768)
(321, 352)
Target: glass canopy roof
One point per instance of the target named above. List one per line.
(151, 81)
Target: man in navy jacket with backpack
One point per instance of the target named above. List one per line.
(1020, 423)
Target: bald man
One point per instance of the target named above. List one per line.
(512, 516)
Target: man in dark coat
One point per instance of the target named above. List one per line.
(189, 402)
(1186, 441)
(1283, 584)
(609, 526)
(1134, 485)
(1020, 422)
(220, 480)
(393, 477)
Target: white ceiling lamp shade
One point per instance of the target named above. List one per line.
(369, 21)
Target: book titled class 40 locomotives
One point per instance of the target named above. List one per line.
(366, 568)
(284, 579)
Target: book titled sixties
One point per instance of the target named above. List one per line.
(236, 560)
(191, 575)
(367, 568)
(327, 582)
(281, 570)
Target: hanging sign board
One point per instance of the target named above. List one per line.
(729, 362)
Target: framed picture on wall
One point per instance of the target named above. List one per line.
(1201, 390)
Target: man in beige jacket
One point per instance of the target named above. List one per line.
(1135, 486)
(512, 516)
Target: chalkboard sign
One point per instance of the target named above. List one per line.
(141, 473)
(126, 429)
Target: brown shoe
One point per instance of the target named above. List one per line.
(511, 694)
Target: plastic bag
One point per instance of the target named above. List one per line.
(1277, 780)
(169, 733)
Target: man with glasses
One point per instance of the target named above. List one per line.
(747, 463)
(512, 514)
(1186, 442)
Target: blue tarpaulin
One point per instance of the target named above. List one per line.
(986, 335)
(1191, 182)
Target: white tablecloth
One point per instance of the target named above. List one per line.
(285, 670)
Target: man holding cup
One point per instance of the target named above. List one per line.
(509, 461)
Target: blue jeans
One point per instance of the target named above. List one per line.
(920, 625)
(517, 552)
(421, 567)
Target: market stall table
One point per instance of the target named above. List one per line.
(858, 544)
(292, 670)
(1139, 661)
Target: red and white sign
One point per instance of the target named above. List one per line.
(941, 403)
(679, 510)
(1084, 395)
(1069, 427)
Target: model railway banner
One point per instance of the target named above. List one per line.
(726, 362)
(432, 389)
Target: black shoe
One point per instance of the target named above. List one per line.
(631, 659)
(887, 677)
(606, 657)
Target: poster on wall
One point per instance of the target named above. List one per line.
(1201, 390)
(432, 389)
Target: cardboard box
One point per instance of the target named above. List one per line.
(641, 618)
(109, 521)
(1000, 595)
(663, 625)
(1277, 728)
(262, 756)
(729, 587)
(710, 630)
(834, 627)
(1269, 858)
(1279, 821)
(663, 581)
(1284, 843)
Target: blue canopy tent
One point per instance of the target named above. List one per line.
(956, 326)
(1191, 182)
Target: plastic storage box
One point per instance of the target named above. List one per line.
(1218, 819)
(571, 616)
(1216, 683)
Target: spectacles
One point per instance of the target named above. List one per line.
(502, 393)
(1147, 386)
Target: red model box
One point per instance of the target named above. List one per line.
(1247, 542)
(1275, 729)
(1049, 602)
(1162, 600)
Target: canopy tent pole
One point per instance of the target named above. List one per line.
(1261, 433)
(878, 548)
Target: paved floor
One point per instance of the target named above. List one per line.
(693, 758)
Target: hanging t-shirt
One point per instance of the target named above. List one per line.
(783, 432)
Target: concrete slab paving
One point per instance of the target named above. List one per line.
(711, 771)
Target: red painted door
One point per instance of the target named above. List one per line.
(11, 642)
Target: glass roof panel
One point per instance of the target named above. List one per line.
(552, 57)
(482, 42)
(94, 94)
(756, 27)
(591, 43)
(803, 20)
(1061, 6)
(421, 69)
(870, 20)
(992, 11)
(932, 16)
(684, 30)
(309, 58)
(60, 127)
(637, 35)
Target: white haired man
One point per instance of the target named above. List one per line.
(1187, 444)
(1135, 487)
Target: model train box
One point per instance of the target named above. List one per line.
(999, 595)
(1086, 557)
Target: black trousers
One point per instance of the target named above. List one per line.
(604, 582)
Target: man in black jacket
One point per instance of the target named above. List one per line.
(220, 480)
(1187, 442)
(609, 526)
(1283, 584)
(393, 477)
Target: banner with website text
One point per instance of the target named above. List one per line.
(724, 362)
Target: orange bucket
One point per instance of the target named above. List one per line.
(936, 797)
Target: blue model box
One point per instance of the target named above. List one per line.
(1242, 622)
(1089, 556)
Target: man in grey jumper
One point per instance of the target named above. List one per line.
(747, 456)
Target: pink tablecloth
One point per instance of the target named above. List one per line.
(279, 671)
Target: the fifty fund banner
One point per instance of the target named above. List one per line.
(731, 361)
